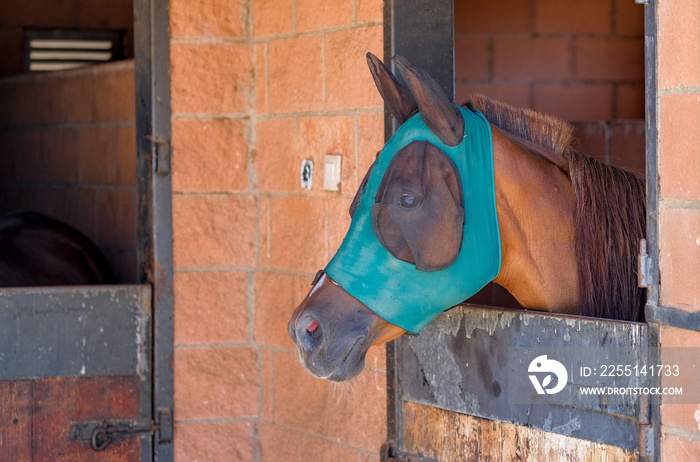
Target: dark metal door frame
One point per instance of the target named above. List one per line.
(424, 33)
(154, 233)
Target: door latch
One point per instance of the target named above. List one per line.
(102, 433)
(391, 453)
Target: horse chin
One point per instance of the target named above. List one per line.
(350, 365)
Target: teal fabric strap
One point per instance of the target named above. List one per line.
(396, 290)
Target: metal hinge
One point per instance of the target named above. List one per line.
(391, 453)
(102, 433)
(644, 266)
(161, 153)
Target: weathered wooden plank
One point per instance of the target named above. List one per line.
(35, 417)
(464, 362)
(447, 436)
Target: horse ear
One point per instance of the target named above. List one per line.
(397, 97)
(441, 115)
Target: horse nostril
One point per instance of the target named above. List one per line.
(312, 327)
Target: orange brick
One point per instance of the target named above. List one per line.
(264, 254)
(213, 230)
(629, 101)
(117, 211)
(278, 170)
(571, 17)
(64, 145)
(575, 101)
(211, 77)
(338, 223)
(215, 383)
(679, 48)
(114, 89)
(610, 59)
(628, 145)
(370, 10)
(210, 307)
(212, 18)
(321, 449)
(675, 337)
(320, 14)
(360, 426)
(276, 296)
(273, 17)
(209, 155)
(98, 155)
(214, 442)
(299, 236)
(678, 449)
(34, 13)
(349, 83)
(77, 92)
(301, 401)
(266, 374)
(680, 415)
(679, 137)
(112, 15)
(295, 74)
(278, 443)
(515, 94)
(126, 155)
(591, 138)
(629, 19)
(531, 58)
(79, 209)
(371, 141)
(679, 255)
(471, 58)
(328, 135)
(261, 106)
(488, 17)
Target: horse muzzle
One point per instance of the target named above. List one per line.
(332, 331)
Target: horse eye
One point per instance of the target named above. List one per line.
(408, 200)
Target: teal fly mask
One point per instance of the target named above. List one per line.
(424, 235)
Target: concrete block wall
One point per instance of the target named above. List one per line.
(68, 149)
(678, 146)
(258, 86)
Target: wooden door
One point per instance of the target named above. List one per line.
(75, 374)
(462, 390)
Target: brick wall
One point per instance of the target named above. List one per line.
(573, 59)
(67, 148)
(582, 61)
(15, 15)
(678, 110)
(257, 86)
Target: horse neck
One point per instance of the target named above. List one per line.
(536, 209)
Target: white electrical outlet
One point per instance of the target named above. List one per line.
(331, 172)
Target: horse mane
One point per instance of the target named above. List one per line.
(610, 213)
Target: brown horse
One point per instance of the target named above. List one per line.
(37, 250)
(569, 227)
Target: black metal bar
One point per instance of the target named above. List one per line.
(155, 253)
(423, 33)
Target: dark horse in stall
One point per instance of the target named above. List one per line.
(568, 226)
(37, 250)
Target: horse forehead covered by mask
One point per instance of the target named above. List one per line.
(450, 204)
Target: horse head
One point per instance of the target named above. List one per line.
(424, 233)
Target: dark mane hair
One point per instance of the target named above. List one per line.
(610, 213)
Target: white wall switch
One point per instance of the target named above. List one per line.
(331, 172)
